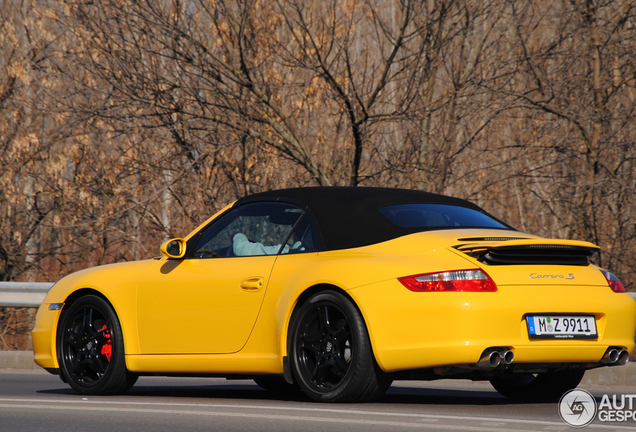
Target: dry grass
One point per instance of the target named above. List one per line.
(15, 328)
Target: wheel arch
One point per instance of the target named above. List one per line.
(129, 341)
(111, 375)
(81, 292)
(301, 299)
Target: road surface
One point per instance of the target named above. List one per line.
(37, 401)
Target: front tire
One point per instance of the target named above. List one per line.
(331, 355)
(90, 348)
(542, 386)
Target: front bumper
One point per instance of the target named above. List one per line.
(44, 337)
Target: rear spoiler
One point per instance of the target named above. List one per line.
(530, 251)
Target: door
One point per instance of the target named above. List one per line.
(209, 302)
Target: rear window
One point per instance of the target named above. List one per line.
(438, 216)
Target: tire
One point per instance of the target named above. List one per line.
(330, 351)
(542, 386)
(90, 348)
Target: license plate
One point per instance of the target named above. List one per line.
(561, 326)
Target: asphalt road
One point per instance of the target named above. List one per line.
(37, 401)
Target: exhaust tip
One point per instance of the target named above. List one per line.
(494, 359)
(612, 355)
(615, 356)
(489, 360)
(623, 357)
(507, 357)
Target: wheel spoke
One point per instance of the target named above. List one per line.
(76, 344)
(342, 330)
(320, 372)
(323, 317)
(329, 325)
(72, 336)
(308, 344)
(98, 365)
(308, 339)
(87, 320)
(90, 327)
(340, 367)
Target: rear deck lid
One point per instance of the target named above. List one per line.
(534, 261)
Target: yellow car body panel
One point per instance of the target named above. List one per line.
(115, 282)
(211, 313)
(44, 337)
(440, 328)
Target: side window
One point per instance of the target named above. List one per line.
(248, 230)
(438, 216)
(303, 239)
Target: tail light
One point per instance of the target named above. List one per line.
(474, 280)
(614, 283)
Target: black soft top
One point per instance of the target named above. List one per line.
(349, 217)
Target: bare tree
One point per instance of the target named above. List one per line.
(125, 122)
(570, 76)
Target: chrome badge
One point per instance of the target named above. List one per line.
(568, 276)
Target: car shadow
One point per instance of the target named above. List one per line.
(222, 392)
(438, 396)
(396, 395)
(170, 265)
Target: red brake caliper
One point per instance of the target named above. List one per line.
(107, 348)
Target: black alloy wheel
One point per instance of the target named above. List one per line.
(331, 354)
(90, 348)
(542, 386)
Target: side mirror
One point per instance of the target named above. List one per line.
(175, 248)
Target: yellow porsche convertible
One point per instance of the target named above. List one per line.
(338, 292)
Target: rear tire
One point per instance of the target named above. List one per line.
(542, 386)
(330, 351)
(90, 348)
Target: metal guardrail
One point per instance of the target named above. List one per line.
(23, 294)
(31, 294)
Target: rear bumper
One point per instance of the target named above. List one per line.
(422, 330)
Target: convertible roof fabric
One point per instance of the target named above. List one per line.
(349, 217)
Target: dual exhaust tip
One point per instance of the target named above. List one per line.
(495, 357)
(615, 356)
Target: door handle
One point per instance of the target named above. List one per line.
(252, 283)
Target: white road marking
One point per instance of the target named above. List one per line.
(246, 411)
(261, 417)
